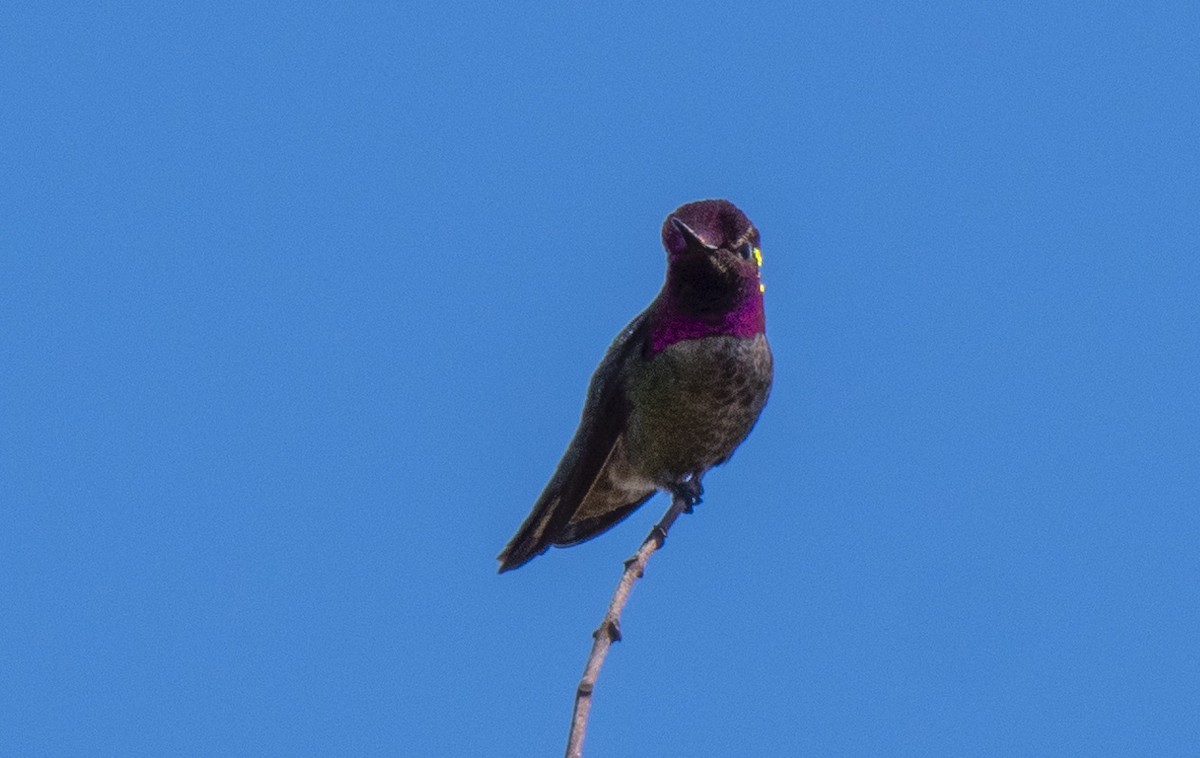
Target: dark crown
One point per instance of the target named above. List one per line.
(718, 223)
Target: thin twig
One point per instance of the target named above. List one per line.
(609, 630)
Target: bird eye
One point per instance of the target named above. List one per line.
(746, 251)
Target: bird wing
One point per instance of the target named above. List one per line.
(604, 417)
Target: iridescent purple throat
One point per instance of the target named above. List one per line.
(672, 324)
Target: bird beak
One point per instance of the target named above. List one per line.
(694, 243)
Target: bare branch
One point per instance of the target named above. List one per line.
(609, 630)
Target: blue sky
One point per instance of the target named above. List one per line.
(298, 305)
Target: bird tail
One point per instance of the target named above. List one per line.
(531, 540)
(535, 537)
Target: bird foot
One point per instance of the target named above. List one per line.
(689, 491)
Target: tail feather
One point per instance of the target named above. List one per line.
(531, 539)
(585, 529)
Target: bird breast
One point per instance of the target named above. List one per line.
(694, 402)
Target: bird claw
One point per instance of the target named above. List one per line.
(689, 491)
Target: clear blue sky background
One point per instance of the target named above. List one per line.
(299, 305)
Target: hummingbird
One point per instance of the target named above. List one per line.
(677, 391)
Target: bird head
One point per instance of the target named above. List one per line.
(713, 256)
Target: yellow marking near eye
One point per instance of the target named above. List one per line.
(758, 257)
(761, 288)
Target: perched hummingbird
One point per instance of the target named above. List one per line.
(678, 390)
